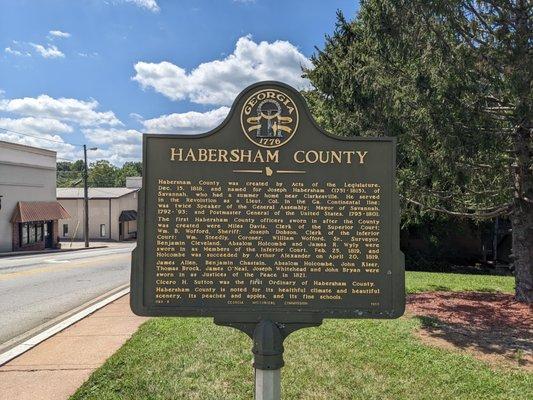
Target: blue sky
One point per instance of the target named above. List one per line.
(101, 71)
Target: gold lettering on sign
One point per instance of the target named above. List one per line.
(223, 155)
(267, 156)
(268, 95)
(328, 156)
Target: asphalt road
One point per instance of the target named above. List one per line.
(35, 289)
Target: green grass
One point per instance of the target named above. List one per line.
(191, 358)
(430, 281)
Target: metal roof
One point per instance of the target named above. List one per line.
(94, 193)
(27, 211)
(128, 215)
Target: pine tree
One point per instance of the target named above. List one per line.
(452, 80)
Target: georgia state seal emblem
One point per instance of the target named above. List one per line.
(269, 118)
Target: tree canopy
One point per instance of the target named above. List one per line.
(452, 80)
(101, 173)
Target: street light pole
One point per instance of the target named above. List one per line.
(85, 198)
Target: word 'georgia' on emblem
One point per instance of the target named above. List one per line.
(269, 118)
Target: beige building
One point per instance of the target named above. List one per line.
(112, 213)
(28, 208)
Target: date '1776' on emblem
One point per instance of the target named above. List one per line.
(269, 118)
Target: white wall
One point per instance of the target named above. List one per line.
(26, 174)
(75, 209)
(98, 214)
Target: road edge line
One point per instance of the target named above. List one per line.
(55, 329)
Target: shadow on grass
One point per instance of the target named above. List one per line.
(490, 324)
(505, 342)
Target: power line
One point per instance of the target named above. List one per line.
(39, 137)
(68, 159)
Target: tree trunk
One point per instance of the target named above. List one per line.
(522, 217)
(523, 252)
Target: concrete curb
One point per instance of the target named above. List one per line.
(32, 253)
(37, 335)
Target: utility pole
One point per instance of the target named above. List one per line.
(85, 198)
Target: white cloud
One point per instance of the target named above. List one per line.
(64, 150)
(35, 126)
(17, 53)
(87, 55)
(110, 136)
(48, 52)
(150, 5)
(219, 81)
(118, 154)
(189, 122)
(67, 109)
(115, 145)
(136, 117)
(59, 34)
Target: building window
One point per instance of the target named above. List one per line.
(31, 232)
(23, 234)
(102, 230)
(39, 228)
(65, 229)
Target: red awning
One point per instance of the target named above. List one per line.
(27, 211)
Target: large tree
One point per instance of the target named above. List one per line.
(130, 168)
(102, 174)
(452, 80)
(68, 174)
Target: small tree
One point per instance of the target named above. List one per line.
(451, 79)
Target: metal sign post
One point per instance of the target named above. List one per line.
(267, 384)
(268, 224)
(268, 360)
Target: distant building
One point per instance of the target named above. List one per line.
(29, 211)
(134, 182)
(112, 213)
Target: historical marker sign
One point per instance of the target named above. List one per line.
(268, 217)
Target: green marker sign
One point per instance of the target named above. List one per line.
(268, 218)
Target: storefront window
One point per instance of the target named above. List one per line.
(39, 232)
(31, 232)
(23, 234)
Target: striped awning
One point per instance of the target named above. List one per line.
(28, 211)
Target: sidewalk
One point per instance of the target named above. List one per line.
(54, 369)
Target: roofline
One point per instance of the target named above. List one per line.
(30, 149)
(97, 198)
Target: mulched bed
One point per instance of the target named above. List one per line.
(490, 326)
